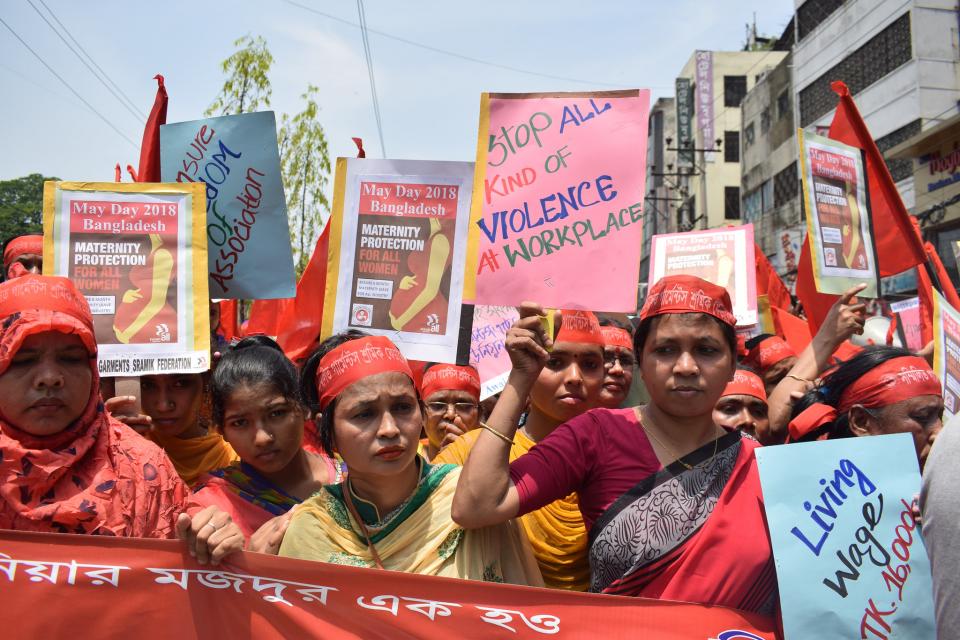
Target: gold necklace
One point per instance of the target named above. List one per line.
(716, 442)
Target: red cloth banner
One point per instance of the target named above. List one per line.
(104, 587)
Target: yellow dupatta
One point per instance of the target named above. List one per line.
(556, 532)
(426, 542)
(192, 457)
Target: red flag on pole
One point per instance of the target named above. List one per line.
(298, 329)
(769, 283)
(360, 152)
(149, 170)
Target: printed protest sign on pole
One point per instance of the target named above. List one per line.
(237, 160)
(849, 557)
(557, 199)
(138, 252)
(838, 216)
(908, 320)
(398, 236)
(488, 353)
(946, 351)
(722, 256)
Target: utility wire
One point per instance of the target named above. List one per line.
(454, 54)
(140, 114)
(370, 74)
(67, 85)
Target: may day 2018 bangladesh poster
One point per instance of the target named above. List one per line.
(557, 200)
(838, 216)
(138, 252)
(397, 247)
(946, 351)
(236, 159)
(849, 556)
(722, 256)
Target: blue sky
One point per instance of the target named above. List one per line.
(428, 101)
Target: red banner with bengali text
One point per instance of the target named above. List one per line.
(56, 586)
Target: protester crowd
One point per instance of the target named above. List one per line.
(379, 462)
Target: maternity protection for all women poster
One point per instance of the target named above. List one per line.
(396, 259)
(138, 253)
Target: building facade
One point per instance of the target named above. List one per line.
(660, 202)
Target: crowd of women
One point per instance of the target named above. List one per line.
(364, 458)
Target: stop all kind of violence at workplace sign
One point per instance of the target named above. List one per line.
(556, 215)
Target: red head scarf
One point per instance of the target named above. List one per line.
(617, 337)
(355, 360)
(443, 377)
(97, 475)
(888, 383)
(20, 246)
(688, 294)
(745, 383)
(579, 326)
(769, 352)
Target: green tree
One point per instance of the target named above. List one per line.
(21, 205)
(305, 161)
(247, 85)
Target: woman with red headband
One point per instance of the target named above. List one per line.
(22, 255)
(451, 404)
(878, 391)
(570, 383)
(660, 486)
(771, 357)
(393, 510)
(618, 364)
(743, 405)
(68, 467)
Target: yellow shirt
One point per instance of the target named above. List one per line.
(192, 457)
(556, 531)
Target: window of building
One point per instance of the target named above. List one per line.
(766, 196)
(731, 146)
(812, 12)
(783, 104)
(880, 55)
(748, 136)
(752, 206)
(734, 89)
(731, 203)
(900, 169)
(785, 186)
(765, 121)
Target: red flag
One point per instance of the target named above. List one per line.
(925, 294)
(897, 247)
(946, 285)
(791, 328)
(116, 173)
(150, 147)
(228, 319)
(298, 329)
(265, 316)
(815, 304)
(360, 152)
(769, 283)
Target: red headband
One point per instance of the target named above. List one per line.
(617, 337)
(688, 294)
(355, 360)
(19, 246)
(769, 352)
(891, 382)
(444, 377)
(579, 326)
(745, 383)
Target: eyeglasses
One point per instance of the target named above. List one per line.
(626, 360)
(460, 408)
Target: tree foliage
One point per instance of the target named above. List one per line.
(305, 161)
(21, 205)
(247, 84)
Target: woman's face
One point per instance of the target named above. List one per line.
(263, 427)
(377, 423)
(686, 364)
(777, 372)
(173, 402)
(570, 382)
(47, 385)
(618, 364)
(443, 407)
(921, 417)
(741, 412)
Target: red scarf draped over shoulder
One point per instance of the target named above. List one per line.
(97, 476)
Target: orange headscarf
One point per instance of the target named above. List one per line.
(96, 476)
(22, 245)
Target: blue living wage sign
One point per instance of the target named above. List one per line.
(248, 237)
(849, 556)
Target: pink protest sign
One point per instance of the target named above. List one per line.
(488, 351)
(557, 203)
